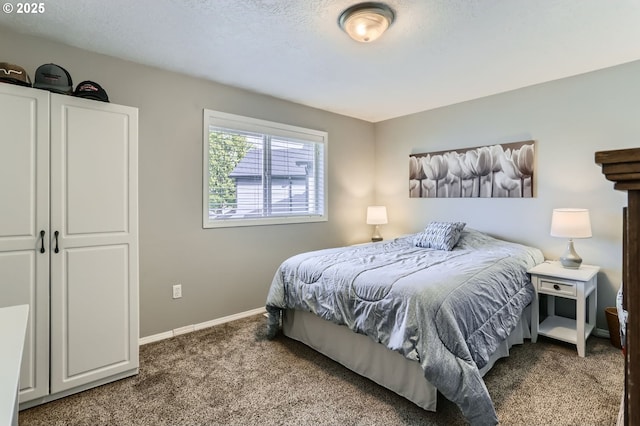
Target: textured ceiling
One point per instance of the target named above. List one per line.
(437, 52)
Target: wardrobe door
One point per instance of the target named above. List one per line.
(24, 224)
(94, 265)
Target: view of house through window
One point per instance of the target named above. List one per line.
(259, 172)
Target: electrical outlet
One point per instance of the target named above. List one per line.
(177, 291)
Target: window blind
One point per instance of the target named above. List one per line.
(276, 175)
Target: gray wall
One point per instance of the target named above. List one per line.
(222, 271)
(570, 119)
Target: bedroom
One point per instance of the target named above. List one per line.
(570, 119)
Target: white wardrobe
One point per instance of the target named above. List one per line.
(69, 238)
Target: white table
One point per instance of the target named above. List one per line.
(552, 279)
(13, 325)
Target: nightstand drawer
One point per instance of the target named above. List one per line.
(558, 288)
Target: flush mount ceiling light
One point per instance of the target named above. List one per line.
(365, 22)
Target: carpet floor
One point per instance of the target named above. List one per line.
(231, 375)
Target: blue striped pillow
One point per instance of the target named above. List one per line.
(440, 235)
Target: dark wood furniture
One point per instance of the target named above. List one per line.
(623, 167)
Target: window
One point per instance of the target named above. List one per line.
(258, 172)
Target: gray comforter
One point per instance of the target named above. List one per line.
(447, 310)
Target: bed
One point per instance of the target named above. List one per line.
(424, 312)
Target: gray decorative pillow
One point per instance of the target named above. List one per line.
(440, 235)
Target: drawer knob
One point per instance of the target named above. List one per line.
(556, 287)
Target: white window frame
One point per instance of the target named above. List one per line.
(248, 124)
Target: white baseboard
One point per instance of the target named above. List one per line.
(184, 330)
(155, 337)
(194, 327)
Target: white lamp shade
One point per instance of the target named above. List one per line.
(571, 223)
(376, 215)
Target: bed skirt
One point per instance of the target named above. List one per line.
(374, 361)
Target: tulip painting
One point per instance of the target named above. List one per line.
(494, 171)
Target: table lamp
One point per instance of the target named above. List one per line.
(376, 215)
(570, 223)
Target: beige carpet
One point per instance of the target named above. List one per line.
(230, 375)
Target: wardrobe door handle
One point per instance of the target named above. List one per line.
(42, 238)
(55, 234)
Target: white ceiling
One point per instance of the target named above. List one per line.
(437, 52)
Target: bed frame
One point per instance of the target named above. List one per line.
(622, 166)
(374, 361)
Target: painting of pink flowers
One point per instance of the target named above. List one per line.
(493, 171)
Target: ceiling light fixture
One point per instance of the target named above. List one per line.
(365, 22)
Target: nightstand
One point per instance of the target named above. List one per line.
(552, 279)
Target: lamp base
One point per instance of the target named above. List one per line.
(570, 258)
(376, 237)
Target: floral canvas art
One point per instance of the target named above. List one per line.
(493, 171)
